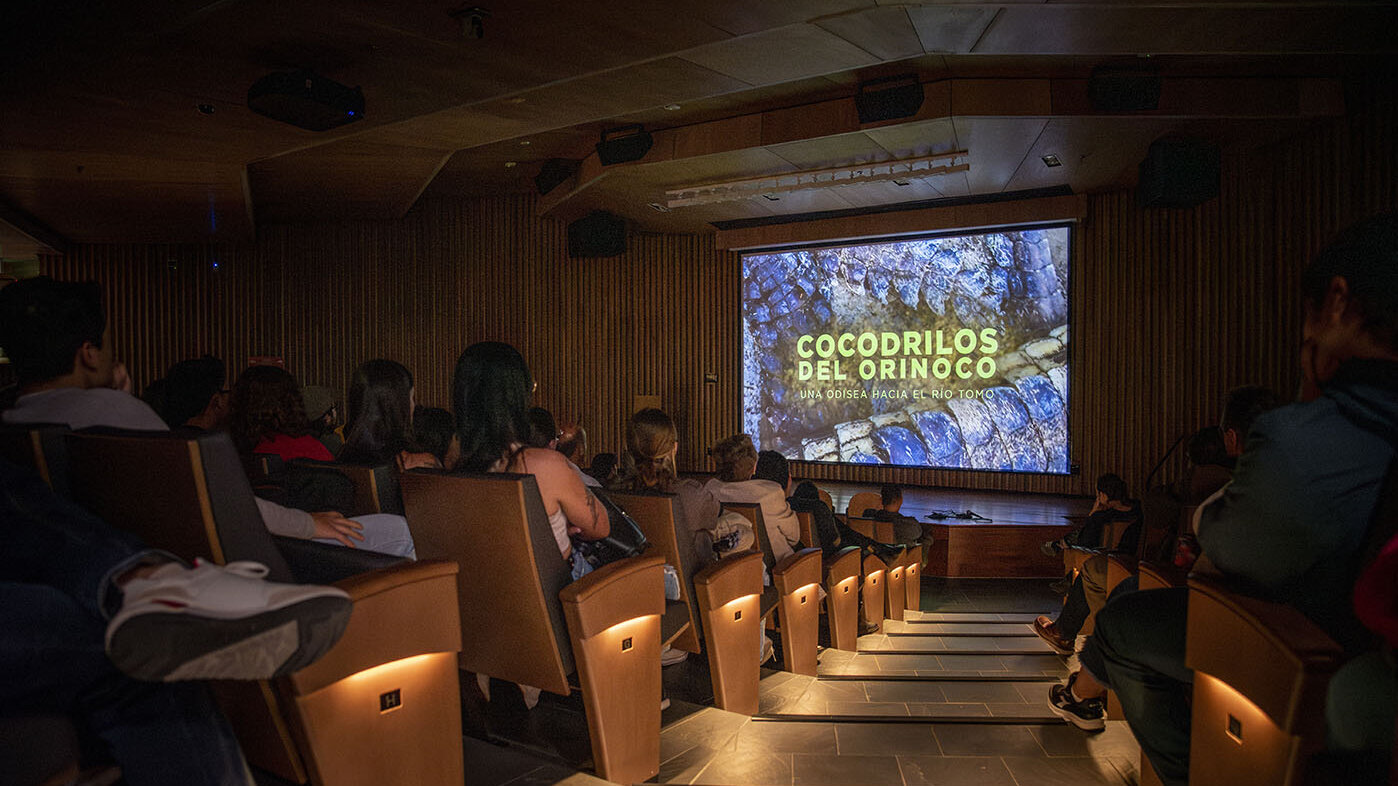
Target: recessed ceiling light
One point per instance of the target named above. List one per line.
(1052, 160)
(524, 143)
(515, 100)
(511, 164)
(205, 109)
(672, 107)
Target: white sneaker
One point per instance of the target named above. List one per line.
(669, 656)
(222, 622)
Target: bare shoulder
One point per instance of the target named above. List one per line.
(541, 461)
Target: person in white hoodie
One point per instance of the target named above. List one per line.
(735, 459)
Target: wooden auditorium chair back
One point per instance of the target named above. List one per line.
(895, 593)
(40, 447)
(1261, 671)
(184, 492)
(375, 487)
(806, 523)
(518, 607)
(863, 526)
(912, 579)
(495, 527)
(613, 618)
(875, 571)
(842, 574)
(729, 594)
(797, 579)
(187, 493)
(659, 517)
(861, 502)
(825, 497)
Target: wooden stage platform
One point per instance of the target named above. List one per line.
(1007, 546)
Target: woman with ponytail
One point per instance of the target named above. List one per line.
(649, 465)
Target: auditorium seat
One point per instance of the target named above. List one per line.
(375, 487)
(1260, 676)
(658, 516)
(861, 502)
(806, 522)
(882, 531)
(895, 594)
(1153, 575)
(842, 575)
(912, 578)
(825, 497)
(187, 493)
(873, 590)
(728, 594)
(798, 609)
(38, 446)
(525, 621)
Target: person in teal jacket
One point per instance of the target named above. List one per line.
(1291, 524)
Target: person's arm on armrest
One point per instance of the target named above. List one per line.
(292, 523)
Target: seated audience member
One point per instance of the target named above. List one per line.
(55, 334)
(649, 465)
(1292, 521)
(543, 429)
(195, 396)
(805, 498)
(434, 430)
(490, 394)
(323, 415)
(604, 468)
(906, 529)
(380, 418)
(736, 460)
(1210, 466)
(834, 533)
(267, 417)
(69, 583)
(572, 443)
(1088, 593)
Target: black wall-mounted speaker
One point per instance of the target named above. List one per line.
(891, 98)
(597, 234)
(554, 172)
(1123, 89)
(617, 147)
(306, 100)
(1179, 173)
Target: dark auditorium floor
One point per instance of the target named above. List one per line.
(952, 695)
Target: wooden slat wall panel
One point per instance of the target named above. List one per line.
(1171, 308)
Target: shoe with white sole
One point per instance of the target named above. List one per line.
(222, 622)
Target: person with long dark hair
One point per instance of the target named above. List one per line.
(379, 407)
(490, 393)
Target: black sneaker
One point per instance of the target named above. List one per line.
(1088, 714)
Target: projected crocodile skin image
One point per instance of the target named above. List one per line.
(944, 352)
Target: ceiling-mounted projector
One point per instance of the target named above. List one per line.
(306, 100)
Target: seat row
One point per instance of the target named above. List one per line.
(383, 705)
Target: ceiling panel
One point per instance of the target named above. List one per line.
(950, 28)
(1097, 153)
(886, 33)
(831, 151)
(781, 55)
(350, 179)
(1192, 29)
(741, 17)
(996, 147)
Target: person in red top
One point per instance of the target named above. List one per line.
(268, 416)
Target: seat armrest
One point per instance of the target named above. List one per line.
(322, 563)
